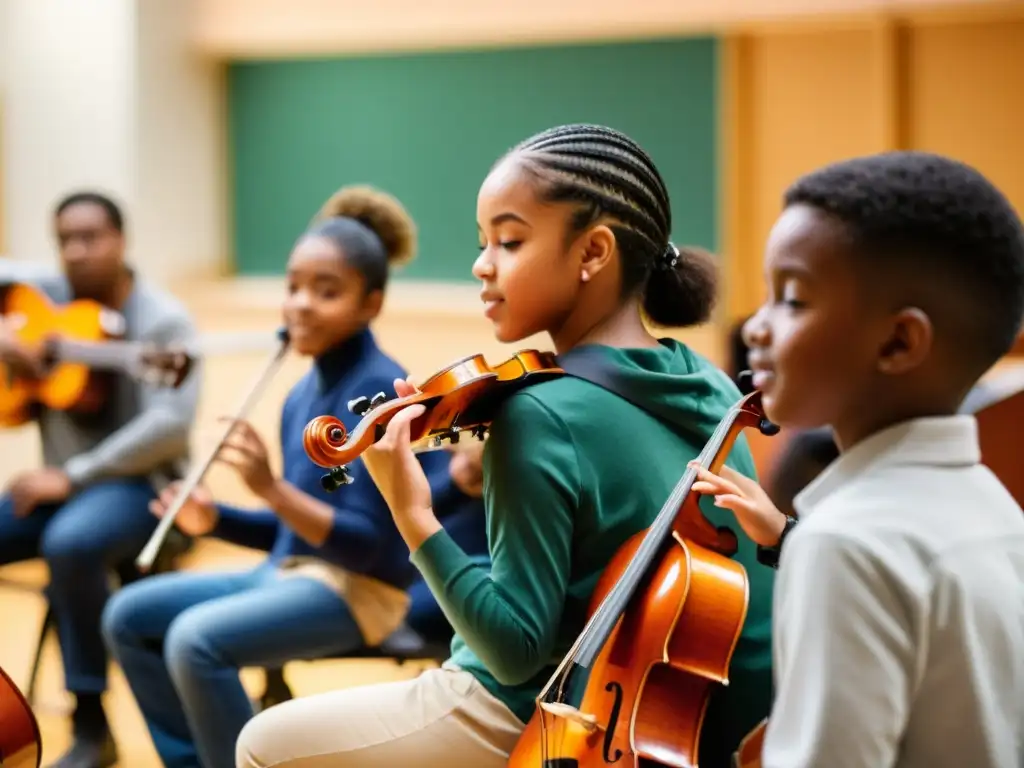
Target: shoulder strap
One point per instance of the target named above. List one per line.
(590, 365)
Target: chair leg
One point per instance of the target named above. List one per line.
(276, 690)
(49, 622)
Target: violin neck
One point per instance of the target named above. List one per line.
(603, 622)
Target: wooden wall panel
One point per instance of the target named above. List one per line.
(799, 100)
(966, 97)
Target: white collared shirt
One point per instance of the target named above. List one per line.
(899, 610)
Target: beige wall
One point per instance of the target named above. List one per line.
(111, 95)
(804, 97)
(242, 28)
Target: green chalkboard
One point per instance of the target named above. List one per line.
(428, 127)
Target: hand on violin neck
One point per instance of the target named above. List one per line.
(397, 473)
(755, 512)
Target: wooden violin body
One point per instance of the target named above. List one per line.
(79, 341)
(20, 742)
(666, 615)
(649, 687)
(462, 397)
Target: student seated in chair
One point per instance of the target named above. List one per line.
(84, 510)
(337, 572)
(426, 633)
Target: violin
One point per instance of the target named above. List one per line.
(462, 397)
(80, 345)
(21, 745)
(664, 621)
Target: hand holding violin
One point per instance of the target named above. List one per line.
(399, 477)
(754, 511)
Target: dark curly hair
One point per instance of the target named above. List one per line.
(936, 232)
(607, 174)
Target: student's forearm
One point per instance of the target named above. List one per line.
(308, 517)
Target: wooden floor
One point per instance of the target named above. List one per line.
(23, 608)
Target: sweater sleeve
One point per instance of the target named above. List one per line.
(256, 528)
(509, 615)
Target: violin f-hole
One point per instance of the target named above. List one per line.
(616, 690)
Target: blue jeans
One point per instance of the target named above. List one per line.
(181, 639)
(81, 540)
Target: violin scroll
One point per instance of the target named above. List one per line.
(461, 398)
(330, 432)
(321, 435)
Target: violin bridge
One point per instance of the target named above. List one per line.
(569, 712)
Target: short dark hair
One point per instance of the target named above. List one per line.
(606, 173)
(944, 228)
(113, 211)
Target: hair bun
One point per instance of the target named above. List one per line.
(684, 295)
(379, 211)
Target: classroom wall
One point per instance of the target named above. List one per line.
(798, 97)
(289, 28)
(112, 95)
(181, 208)
(428, 128)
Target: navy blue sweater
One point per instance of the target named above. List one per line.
(364, 538)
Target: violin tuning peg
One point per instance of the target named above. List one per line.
(359, 406)
(453, 438)
(377, 399)
(335, 479)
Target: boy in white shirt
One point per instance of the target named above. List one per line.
(894, 282)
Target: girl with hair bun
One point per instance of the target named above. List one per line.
(337, 571)
(574, 226)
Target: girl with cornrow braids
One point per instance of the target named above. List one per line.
(574, 227)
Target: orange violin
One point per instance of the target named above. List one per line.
(665, 618)
(461, 397)
(20, 743)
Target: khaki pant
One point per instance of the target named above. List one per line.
(443, 718)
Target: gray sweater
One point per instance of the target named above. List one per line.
(142, 430)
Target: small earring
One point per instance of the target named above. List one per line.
(584, 276)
